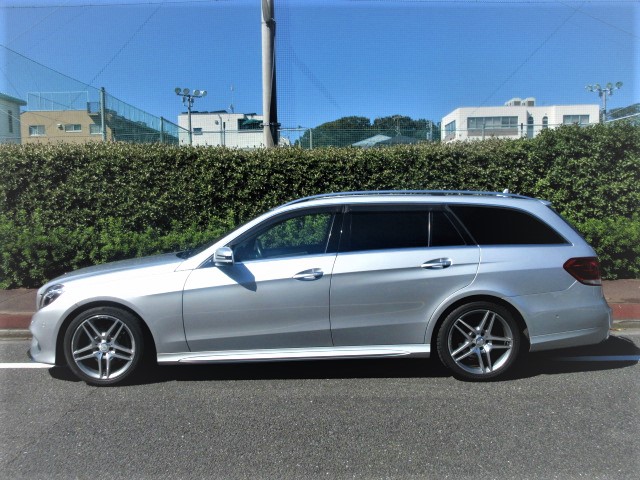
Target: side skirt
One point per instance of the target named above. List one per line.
(284, 354)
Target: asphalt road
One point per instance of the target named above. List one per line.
(562, 416)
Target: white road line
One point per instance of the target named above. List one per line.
(25, 365)
(602, 358)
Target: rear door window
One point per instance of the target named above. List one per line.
(396, 228)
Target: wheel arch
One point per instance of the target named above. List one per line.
(149, 350)
(517, 316)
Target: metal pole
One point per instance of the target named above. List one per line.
(604, 106)
(161, 129)
(103, 127)
(189, 117)
(269, 102)
(311, 139)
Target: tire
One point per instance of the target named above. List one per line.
(103, 345)
(479, 341)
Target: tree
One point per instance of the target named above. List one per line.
(339, 133)
(346, 131)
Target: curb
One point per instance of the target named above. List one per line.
(11, 321)
(625, 311)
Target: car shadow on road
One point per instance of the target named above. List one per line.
(617, 352)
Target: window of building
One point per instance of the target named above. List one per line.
(545, 122)
(492, 122)
(492, 125)
(73, 127)
(249, 124)
(197, 131)
(505, 226)
(95, 129)
(10, 113)
(575, 119)
(36, 130)
(450, 130)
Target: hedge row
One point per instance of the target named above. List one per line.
(66, 206)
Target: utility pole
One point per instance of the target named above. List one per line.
(269, 101)
(608, 89)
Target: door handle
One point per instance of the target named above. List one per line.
(312, 274)
(437, 264)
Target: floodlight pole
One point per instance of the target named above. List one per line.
(188, 98)
(269, 101)
(603, 92)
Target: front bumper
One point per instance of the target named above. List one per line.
(44, 328)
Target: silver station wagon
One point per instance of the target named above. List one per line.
(475, 276)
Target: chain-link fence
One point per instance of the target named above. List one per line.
(40, 105)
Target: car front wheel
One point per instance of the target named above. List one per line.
(479, 341)
(103, 345)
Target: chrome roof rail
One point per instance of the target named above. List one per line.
(407, 192)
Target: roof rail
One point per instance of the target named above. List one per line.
(407, 192)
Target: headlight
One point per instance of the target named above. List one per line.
(50, 295)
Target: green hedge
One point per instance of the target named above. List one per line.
(66, 206)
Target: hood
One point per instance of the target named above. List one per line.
(164, 262)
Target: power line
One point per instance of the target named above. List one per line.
(125, 44)
(110, 4)
(601, 20)
(529, 57)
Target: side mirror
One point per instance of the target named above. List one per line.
(223, 257)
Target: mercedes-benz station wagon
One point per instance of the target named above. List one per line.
(473, 278)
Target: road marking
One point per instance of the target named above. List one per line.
(602, 358)
(25, 365)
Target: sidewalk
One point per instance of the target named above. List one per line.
(17, 306)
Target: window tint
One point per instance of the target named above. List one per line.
(388, 230)
(505, 226)
(443, 233)
(302, 235)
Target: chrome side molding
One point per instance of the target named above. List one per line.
(316, 353)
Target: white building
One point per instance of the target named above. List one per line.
(517, 118)
(220, 128)
(10, 118)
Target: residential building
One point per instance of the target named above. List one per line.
(10, 118)
(221, 128)
(70, 117)
(517, 118)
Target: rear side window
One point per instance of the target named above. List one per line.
(505, 226)
(399, 229)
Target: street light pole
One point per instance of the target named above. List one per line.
(187, 99)
(603, 92)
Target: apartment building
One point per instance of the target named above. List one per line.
(517, 118)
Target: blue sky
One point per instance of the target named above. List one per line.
(421, 58)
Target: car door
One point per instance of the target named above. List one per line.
(275, 295)
(395, 265)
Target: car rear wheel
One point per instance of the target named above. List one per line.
(479, 341)
(103, 345)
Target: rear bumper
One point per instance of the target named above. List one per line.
(571, 318)
(574, 338)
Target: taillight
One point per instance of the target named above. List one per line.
(584, 269)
